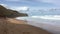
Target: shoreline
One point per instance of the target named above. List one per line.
(55, 29)
(12, 26)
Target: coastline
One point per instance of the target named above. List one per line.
(54, 29)
(12, 26)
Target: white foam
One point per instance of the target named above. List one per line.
(53, 17)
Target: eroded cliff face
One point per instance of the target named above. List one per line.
(13, 26)
(10, 13)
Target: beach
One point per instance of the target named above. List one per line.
(54, 29)
(52, 26)
(28, 26)
(14, 26)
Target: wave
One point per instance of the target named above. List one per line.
(53, 17)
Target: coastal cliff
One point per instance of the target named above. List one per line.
(10, 25)
(4, 12)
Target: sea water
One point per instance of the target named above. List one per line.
(49, 23)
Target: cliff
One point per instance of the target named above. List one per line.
(14, 26)
(10, 13)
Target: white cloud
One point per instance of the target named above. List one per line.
(56, 2)
(12, 0)
(15, 8)
(5, 6)
(16, 0)
(20, 8)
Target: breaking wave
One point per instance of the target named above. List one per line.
(53, 17)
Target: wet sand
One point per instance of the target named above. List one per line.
(54, 29)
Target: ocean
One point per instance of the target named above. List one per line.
(50, 23)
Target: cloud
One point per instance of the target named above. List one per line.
(13, 0)
(3, 4)
(6, 6)
(17, 0)
(56, 2)
(20, 8)
(15, 8)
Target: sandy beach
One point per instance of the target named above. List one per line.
(13, 26)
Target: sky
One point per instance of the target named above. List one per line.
(33, 4)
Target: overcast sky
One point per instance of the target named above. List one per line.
(33, 4)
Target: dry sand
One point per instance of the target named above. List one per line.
(13, 26)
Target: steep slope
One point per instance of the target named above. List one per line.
(10, 13)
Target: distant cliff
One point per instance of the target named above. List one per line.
(10, 13)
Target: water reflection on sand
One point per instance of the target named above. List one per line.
(49, 25)
(55, 29)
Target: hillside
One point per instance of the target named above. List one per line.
(10, 13)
